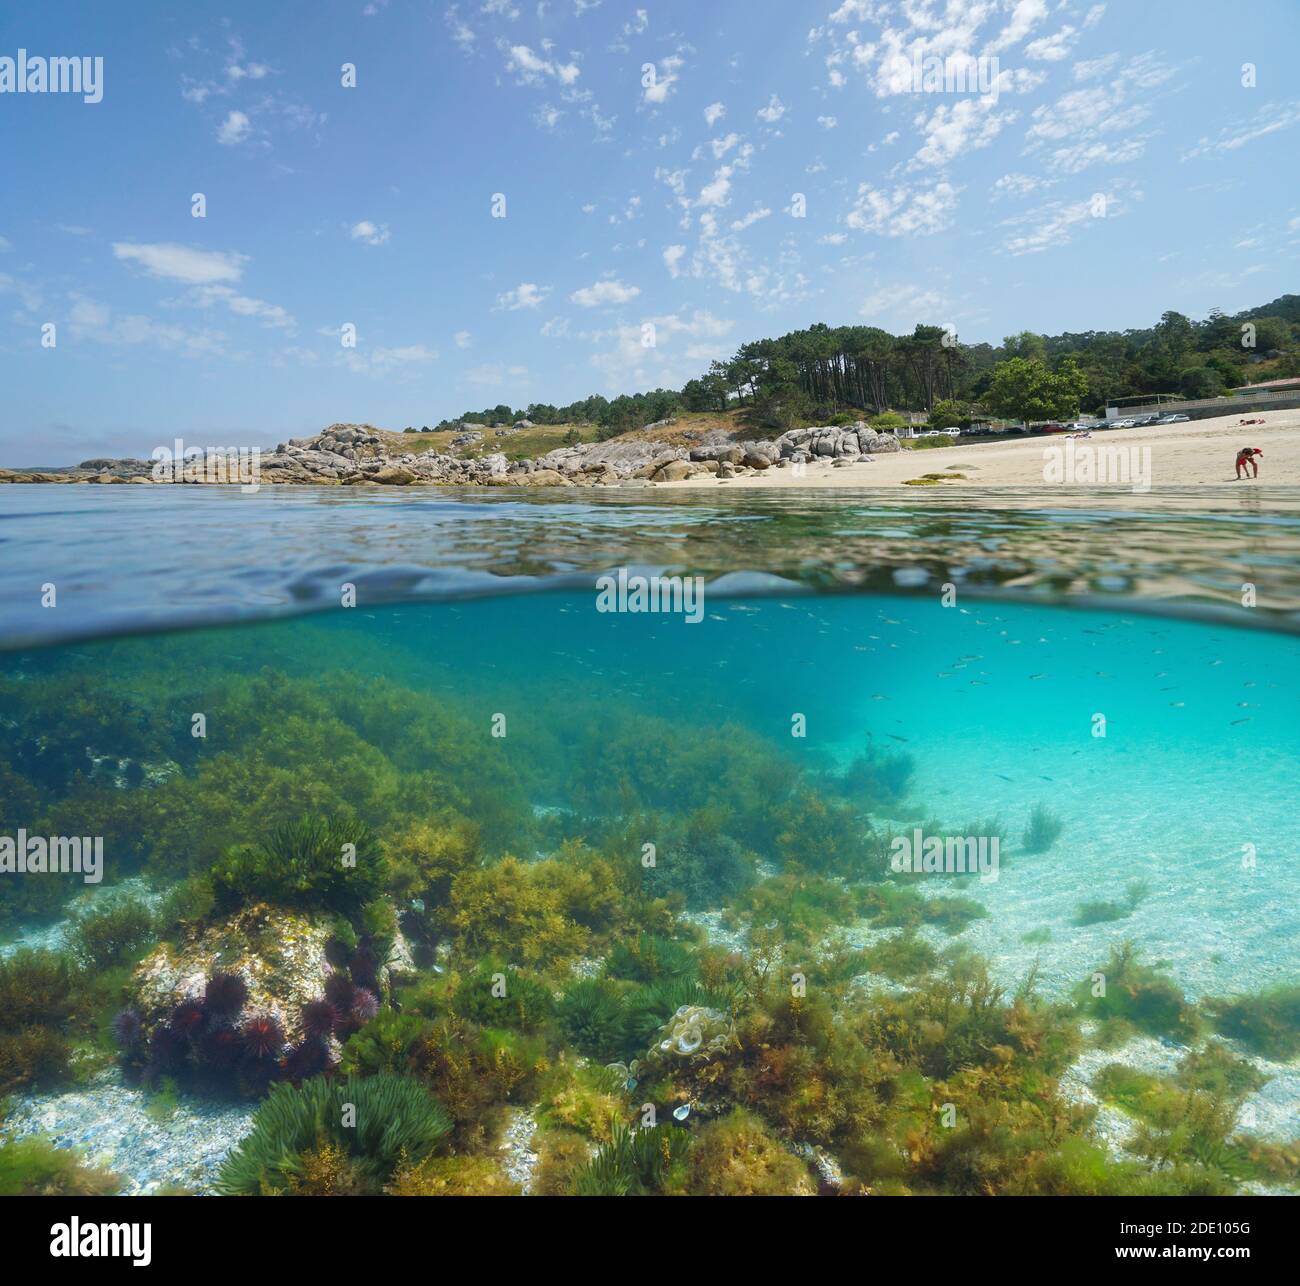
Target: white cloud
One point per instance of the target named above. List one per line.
(739, 225)
(952, 131)
(827, 122)
(532, 69)
(1053, 48)
(181, 263)
(91, 320)
(902, 211)
(1266, 121)
(1079, 156)
(908, 302)
(682, 346)
(773, 112)
(665, 78)
(1016, 185)
(372, 234)
(251, 71)
(495, 374)
(386, 361)
(234, 129)
(1057, 222)
(244, 306)
(610, 291)
(673, 258)
(463, 338)
(524, 295)
(713, 113)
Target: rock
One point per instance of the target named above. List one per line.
(546, 478)
(280, 956)
(393, 476)
(672, 471)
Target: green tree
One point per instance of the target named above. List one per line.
(1200, 381)
(1025, 389)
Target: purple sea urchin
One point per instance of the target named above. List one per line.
(221, 1047)
(166, 1049)
(189, 1018)
(319, 1018)
(128, 1028)
(225, 995)
(340, 992)
(365, 1006)
(263, 1036)
(365, 968)
(311, 1058)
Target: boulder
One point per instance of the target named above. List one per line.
(393, 476)
(672, 471)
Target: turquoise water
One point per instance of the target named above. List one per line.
(1164, 746)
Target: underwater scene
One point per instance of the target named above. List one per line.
(864, 864)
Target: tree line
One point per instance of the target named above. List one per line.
(826, 372)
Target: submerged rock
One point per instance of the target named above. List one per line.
(279, 955)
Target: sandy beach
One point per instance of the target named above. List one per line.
(1197, 453)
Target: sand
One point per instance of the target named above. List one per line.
(1197, 453)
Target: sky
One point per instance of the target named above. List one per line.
(414, 209)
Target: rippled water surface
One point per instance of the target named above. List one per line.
(125, 558)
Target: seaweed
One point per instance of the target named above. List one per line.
(35, 1167)
(593, 1019)
(306, 1137)
(312, 864)
(1267, 1022)
(110, 932)
(1042, 831)
(1123, 990)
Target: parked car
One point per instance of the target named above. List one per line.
(1173, 419)
(1051, 427)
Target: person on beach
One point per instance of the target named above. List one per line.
(1246, 461)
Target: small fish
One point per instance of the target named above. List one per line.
(1177, 705)
(1046, 778)
(895, 736)
(1038, 676)
(1235, 722)
(1004, 778)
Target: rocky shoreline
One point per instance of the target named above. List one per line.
(357, 455)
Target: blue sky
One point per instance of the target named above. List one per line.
(1120, 167)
